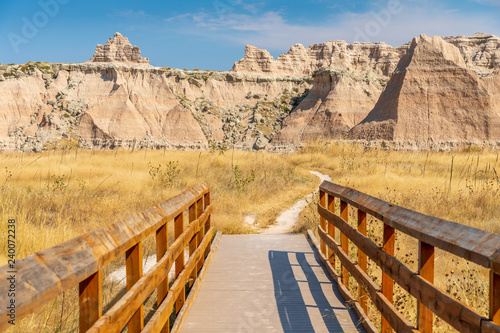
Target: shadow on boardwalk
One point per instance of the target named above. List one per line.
(291, 278)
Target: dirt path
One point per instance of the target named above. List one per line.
(288, 218)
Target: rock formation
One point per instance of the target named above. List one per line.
(438, 90)
(434, 97)
(379, 58)
(337, 101)
(118, 49)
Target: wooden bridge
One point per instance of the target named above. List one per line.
(258, 283)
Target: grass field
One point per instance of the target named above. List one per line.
(57, 195)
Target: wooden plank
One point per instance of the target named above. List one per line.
(193, 244)
(161, 249)
(200, 208)
(426, 271)
(470, 243)
(322, 221)
(386, 307)
(133, 265)
(179, 262)
(331, 229)
(165, 309)
(90, 301)
(196, 286)
(455, 313)
(344, 241)
(362, 261)
(208, 225)
(387, 281)
(494, 298)
(118, 316)
(45, 274)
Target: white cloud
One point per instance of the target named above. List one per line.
(393, 25)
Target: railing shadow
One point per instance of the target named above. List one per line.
(293, 307)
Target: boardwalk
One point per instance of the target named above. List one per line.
(268, 283)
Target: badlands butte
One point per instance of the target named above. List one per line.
(431, 93)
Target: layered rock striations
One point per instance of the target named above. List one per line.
(434, 97)
(431, 90)
(118, 49)
(338, 100)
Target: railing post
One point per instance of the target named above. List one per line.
(331, 229)
(322, 221)
(362, 261)
(161, 249)
(344, 241)
(494, 297)
(209, 222)
(90, 291)
(387, 281)
(179, 262)
(193, 244)
(133, 265)
(425, 270)
(202, 232)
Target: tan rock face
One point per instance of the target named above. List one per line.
(434, 97)
(118, 49)
(442, 89)
(337, 101)
(378, 58)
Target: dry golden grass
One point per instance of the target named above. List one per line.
(467, 192)
(58, 195)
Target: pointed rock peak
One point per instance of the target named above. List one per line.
(425, 50)
(118, 49)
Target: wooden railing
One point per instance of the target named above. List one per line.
(478, 246)
(46, 274)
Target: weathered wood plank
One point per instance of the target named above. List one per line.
(344, 241)
(134, 273)
(164, 310)
(426, 271)
(161, 249)
(449, 309)
(470, 243)
(179, 262)
(199, 208)
(117, 317)
(387, 281)
(331, 228)
(45, 274)
(394, 318)
(322, 221)
(494, 297)
(362, 261)
(90, 301)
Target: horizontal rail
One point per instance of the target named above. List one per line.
(478, 246)
(44, 275)
(431, 232)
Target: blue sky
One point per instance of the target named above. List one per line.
(212, 34)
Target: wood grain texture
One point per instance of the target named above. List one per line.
(385, 306)
(344, 241)
(117, 317)
(362, 261)
(133, 263)
(387, 281)
(322, 221)
(165, 309)
(45, 274)
(472, 244)
(331, 228)
(455, 313)
(426, 271)
(90, 301)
